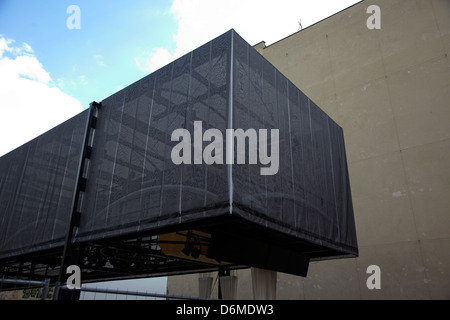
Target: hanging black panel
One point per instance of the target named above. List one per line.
(135, 185)
(37, 182)
(291, 199)
(309, 197)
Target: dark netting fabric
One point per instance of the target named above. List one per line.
(134, 186)
(133, 183)
(37, 183)
(310, 196)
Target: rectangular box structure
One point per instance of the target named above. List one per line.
(280, 199)
(37, 183)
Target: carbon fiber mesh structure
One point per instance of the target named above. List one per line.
(278, 221)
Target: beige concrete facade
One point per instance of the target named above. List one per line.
(390, 91)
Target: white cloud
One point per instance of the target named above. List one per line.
(255, 20)
(27, 48)
(61, 83)
(4, 45)
(23, 67)
(29, 105)
(154, 60)
(83, 80)
(98, 58)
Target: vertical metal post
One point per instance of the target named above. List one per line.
(230, 124)
(45, 289)
(56, 291)
(222, 273)
(71, 254)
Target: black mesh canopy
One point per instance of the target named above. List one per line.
(134, 183)
(275, 214)
(37, 183)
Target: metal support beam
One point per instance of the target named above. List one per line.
(71, 254)
(132, 293)
(222, 273)
(44, 284)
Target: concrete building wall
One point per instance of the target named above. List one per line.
(390, 91)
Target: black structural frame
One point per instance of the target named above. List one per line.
(71, 254)
(124, 192)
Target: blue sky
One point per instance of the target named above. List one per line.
(92, 62)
